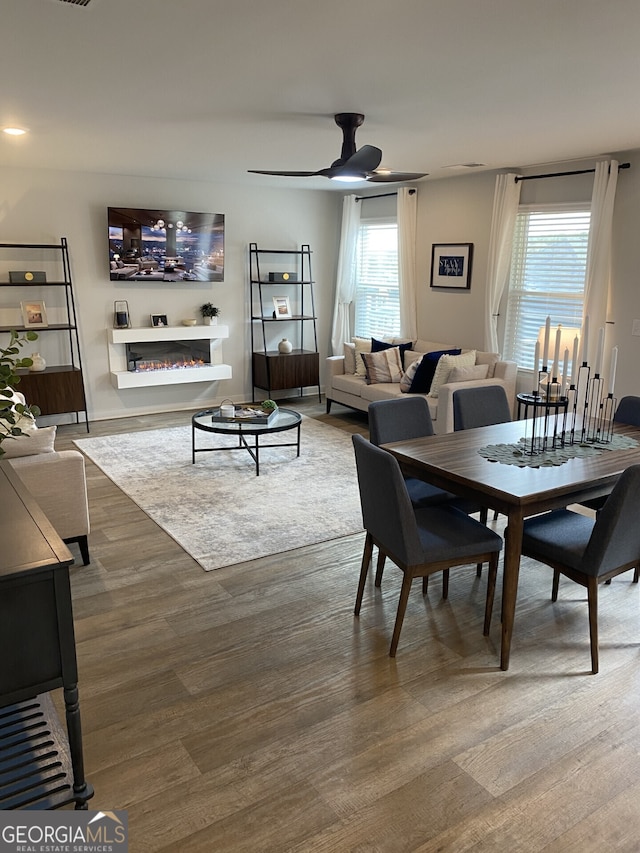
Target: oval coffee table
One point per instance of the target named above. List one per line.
(209, 421)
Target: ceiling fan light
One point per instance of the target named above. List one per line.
(348, 179)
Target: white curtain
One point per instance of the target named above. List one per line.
(506, 199)
(598, 276)
(346, 280)
(407, 280)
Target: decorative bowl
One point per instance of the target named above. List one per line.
(190, 322)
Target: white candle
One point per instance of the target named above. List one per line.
(545, 350)
(585, 340)
(614, 364)
(574, 361)
(556, 354)
(536, 361)
(600, 352)
(565, 370)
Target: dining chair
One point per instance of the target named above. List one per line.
(420, 541)
(478, 407)
(586, 550)
(406, 418)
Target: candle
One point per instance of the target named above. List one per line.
(536, 360)
(614, 364)
(585, 340)
(556, 354)
(574, 361)
(600, 352)
(565, 370)
(545, 351)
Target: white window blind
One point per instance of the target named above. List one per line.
(548, 267)
(377, 302)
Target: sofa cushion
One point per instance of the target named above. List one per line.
(489, 358)
(425, 369)
(378, 346)
(361, 345)
(33, 442)
(383, 366)
(349, 383)
(446, 365)
(464, 374)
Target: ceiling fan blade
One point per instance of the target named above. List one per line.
(366, 159)
(390, 177)
(283, 174)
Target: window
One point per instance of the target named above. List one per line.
(377, 302)
(548, 267)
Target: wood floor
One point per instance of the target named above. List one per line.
(246, 709)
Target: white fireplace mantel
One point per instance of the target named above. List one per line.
(123, 378)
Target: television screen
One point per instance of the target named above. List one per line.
(165, 245)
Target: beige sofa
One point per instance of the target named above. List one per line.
(345, 386)
(56, 479)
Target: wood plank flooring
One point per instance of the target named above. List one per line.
(246, 709)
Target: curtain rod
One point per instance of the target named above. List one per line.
(564, 174)
(381, 195)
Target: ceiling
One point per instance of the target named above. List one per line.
(207, 89)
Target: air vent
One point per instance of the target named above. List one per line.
(76, 2)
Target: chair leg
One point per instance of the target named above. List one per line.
(635, 575)
(445, 583)
(491, 591)
(592, 591)
(364, 571)
(425, 584)
(555, 585)
(380, 567)
(402, 606)
(479, 570)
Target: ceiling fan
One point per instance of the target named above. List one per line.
(352, 165)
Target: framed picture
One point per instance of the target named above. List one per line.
(282, 307)
(34, 315)
(159, 320)
(451, 265)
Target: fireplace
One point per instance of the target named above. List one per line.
(144, 356)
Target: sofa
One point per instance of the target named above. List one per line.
(350, 383)
(56, 479)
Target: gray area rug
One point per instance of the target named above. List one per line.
(217, 509)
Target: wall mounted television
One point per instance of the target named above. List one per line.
(165, 245)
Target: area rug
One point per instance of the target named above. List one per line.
(217, 509)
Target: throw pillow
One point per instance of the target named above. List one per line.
(378, 346)
(383, 366)
(464, 374)
(446, 365)
(489, 358)
(362, 345)
(423, 376)
(349, 351)
(36, 441)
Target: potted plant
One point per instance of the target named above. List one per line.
(210, 313)
(11, 412)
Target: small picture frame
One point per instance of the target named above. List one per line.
(159, 320)
(34, 315)
(451, 265)
(282, 307)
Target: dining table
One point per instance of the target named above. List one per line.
(455, 462)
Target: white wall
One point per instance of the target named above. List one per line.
(43, 206)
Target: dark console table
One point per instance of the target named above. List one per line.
(41, 764)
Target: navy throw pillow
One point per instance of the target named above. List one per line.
(378, 346)
(423, 376)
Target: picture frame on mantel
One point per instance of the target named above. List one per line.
(451, 265)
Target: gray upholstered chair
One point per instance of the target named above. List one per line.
(589, 551)
(478, 407)
(419, 541)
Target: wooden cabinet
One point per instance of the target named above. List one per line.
(59, 388)
(42, 763)
(282, 306)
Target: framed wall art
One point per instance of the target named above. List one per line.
(34, 315)
(451, 265)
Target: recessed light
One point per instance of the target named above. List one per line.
(14, 131)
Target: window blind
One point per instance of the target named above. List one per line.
(547, 278)
(377, 302)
